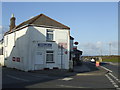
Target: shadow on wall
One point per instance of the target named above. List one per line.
(27, 55)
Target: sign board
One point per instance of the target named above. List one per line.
(63, 45)
(45, 45)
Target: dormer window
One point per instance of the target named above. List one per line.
(49, 34)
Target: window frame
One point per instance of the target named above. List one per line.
(48, 32)
(50, 54)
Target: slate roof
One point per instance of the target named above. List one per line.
(40, 20)
(43, 20)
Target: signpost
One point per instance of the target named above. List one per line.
(62, 46)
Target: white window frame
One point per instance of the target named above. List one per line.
(50, 54)
(49, 31)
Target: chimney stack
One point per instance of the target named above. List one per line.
(12, 22)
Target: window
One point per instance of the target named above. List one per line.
(49, 35)
(49, 56)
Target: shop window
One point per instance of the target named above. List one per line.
(49, 56)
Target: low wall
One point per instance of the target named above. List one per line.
(1, 60)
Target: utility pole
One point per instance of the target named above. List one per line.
(61, 56)
(101, 51)
(109, 48)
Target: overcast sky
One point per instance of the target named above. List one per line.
(93, 24)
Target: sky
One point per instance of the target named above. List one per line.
(93, 24)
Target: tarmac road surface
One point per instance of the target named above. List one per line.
(96, 79)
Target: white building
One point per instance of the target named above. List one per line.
(1, 53)
(36, 44)
(1, 47)
(71, 47)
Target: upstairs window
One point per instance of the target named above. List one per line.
(49, 34)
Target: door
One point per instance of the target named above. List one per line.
(39, 60)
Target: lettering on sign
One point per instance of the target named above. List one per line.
(45, 45)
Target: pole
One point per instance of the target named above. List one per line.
(109, 48)
(61, 55)
(101, 51)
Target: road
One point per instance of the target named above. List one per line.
(91, 80)
(114, 73)
(114, 68)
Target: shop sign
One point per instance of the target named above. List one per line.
(44, 45)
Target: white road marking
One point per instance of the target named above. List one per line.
(114, 77)
(113, 63)
(114, 84)
(67, 79)
(69, 86)
(87, 74)
(111, 73)
(17, 78)
(106, 68)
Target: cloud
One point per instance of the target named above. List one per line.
(0, 32)
(99, 48)
(0, 28)
(114, 44)
(0, 36)
(3, 29)
(99, 44)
